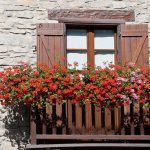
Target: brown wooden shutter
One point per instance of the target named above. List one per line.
(50, 43)
(133, 44)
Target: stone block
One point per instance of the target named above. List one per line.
(143, 18)
(17, 50)
(7, 145)
(104, 5)
(5, 61)
(48, 5)
(9, 13)
(2, 131)
(26, 26)
(2, 18)
(2, 56)
(15, 8)
(10, 39)
(10, 22)
(16, 31)
(119, 5)
(25, 15)
(2, 125)
(26, 2)
(41, 15)
(16, 40)
(4, 2)
(14, 55)
(1, 10)
(3, 49)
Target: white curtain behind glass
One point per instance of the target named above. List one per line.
(77, 39)
(104, 42)
(77, 56)
(103, 39)
(102, 58)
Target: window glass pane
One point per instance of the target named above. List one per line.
(76, 38)
(77, 56)
(104, 39)
(102, 58)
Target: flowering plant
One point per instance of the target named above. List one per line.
(112, 86)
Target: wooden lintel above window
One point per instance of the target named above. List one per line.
(59, 14)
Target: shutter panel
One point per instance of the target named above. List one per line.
(50, 43)
(133, 44)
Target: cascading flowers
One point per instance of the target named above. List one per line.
(112, 86)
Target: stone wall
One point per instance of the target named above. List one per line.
(18, 19)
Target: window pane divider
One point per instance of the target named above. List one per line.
(76, 49)
(104, 49)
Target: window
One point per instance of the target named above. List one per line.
(130, 42)
(91, 44)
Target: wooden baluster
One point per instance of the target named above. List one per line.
(49, 112)
(32, 126)
(78, 119)
(146, 120)
(107, 120)
(44, 126)
(64, 114)
(127, 118)
(117, 113)
(70, 125)
(98, 124)
(88, 118)
(59, 115)
(132, 127)
(136, 115)
(54, 119)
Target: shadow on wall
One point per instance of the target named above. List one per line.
(17, 126)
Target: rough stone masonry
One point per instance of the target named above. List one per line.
(18, 19)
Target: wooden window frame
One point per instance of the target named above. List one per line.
(112, 25)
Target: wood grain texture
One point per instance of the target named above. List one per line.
(50, 43)
(78, 119)
(117, 121)
(127, 15)
(107, 120)
(134, 44)
(88, 118)
(98, 123)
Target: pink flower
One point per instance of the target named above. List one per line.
(135, 96)
(132, 79)
(75, 63)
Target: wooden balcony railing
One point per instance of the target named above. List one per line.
(89, 122)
